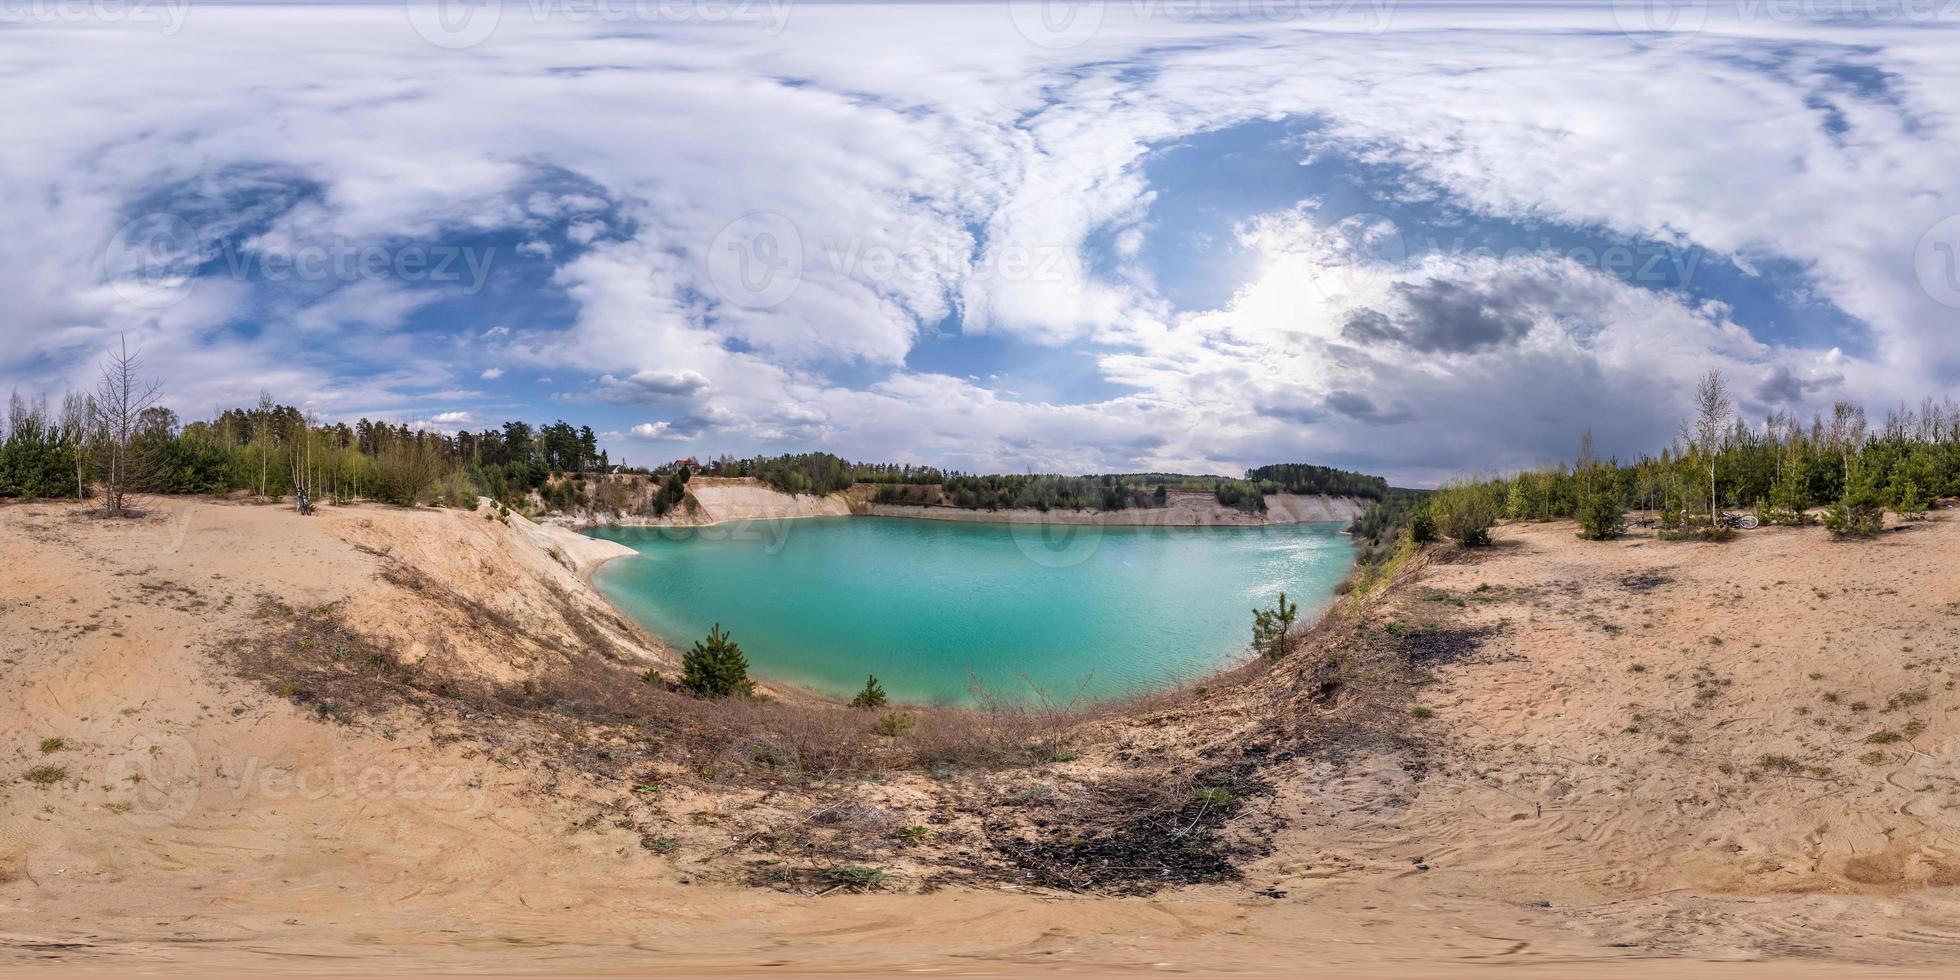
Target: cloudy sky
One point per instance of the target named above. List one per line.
(1094, 236)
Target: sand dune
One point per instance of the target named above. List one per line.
(1654, 750)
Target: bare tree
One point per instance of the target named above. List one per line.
(1712, 411)
(77, 413)
(115, 417)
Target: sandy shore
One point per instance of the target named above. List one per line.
(1730, 759)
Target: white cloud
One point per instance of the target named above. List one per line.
(658, 432)
(961, 177)
(491, 374)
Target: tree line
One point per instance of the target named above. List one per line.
(1838, 468)
(118, 439)
(926, 485)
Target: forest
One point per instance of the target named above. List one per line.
(1838, 469)
(907, 484)
(274, 451)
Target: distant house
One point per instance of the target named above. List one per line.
(691, 463)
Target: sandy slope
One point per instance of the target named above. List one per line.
(1559, 832)
(719, 500)
(1183, 509)
(747, 500)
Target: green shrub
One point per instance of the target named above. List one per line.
(873, 695)
(45, 775)
(893, 725)
(1599, 517)
(1216, 797)
(1464, 510)
(1908, 499)
(406, 474)
(1422, 527)
(1859, 512)
(715, 667)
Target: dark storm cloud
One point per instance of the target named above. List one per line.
(1782, 385)
(1363, 409)
(1444, 317)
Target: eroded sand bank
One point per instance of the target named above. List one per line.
(1579, 802)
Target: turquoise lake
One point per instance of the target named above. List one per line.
(931, 607)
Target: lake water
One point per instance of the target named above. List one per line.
(933, 606)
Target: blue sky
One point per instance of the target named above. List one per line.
(1409, 239)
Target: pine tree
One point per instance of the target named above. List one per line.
(1599, 515)
(873, 695)
(715, 667)
(1270, 626)
(1860, 511)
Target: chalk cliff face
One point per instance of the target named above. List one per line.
(714, 500)
(1183, 509)
(740, 499)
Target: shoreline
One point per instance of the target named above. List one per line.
(713, 501)
(1234, 660)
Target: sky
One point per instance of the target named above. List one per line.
(1090, 236)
